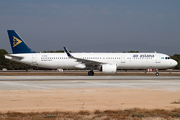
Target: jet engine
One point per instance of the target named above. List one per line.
(109, 68)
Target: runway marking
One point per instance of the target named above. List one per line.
(108, 84)
(68, 82)
(20, 84)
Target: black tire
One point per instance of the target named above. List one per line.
(157, 74)
(90, 73)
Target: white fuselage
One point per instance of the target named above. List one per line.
(122, 60)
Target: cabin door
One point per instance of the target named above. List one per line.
(34, 59)
(158, 59)
(123, 59)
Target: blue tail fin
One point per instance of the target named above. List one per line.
(17, 44)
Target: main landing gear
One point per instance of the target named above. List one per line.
(157, 73)
(91, 73)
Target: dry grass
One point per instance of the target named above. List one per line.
(132, 114)
(176, 102)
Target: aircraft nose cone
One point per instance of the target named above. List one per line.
(174, 63)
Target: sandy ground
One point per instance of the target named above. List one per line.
(86, 99)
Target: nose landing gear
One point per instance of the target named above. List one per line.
(157, 73)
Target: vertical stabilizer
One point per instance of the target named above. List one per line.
(17, 44)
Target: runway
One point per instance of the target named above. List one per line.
(50, 78)
(170, 83)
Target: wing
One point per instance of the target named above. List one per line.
(88, 63)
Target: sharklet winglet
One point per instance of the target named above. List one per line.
(68, 53)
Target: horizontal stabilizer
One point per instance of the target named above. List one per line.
(8, 56)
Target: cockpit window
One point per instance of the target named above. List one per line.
(167, 58)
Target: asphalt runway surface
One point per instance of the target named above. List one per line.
(170, 83)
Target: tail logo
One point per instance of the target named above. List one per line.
(16, 41)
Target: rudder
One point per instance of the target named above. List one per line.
(17, 44)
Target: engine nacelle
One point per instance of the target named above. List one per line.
(109, 68)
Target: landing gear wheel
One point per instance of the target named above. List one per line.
(90, 73)
(157, 74)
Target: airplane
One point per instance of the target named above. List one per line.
(105, 62)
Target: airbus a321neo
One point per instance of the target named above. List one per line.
(105, 62)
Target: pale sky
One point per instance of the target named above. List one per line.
(93, 25)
